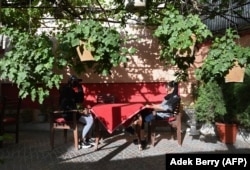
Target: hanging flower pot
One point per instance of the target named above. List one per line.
(236, 74)
(188, 51)
(83, 53)
(227, 132)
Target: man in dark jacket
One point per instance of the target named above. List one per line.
(72, 97)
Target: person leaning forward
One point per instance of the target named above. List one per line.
(151, 112)
(72, 96)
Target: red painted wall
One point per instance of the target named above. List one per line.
(124, 92)
(127, 92)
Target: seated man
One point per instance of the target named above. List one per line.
(72, 95)
(160, 111)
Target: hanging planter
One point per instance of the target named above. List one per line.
(187, 52)
(83, 53)
(236, 74)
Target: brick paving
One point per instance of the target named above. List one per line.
(116, 151)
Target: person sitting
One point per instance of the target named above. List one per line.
(71, 97)
(161, 111)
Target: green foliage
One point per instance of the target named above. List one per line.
(175, 33)
(22, 17)
(224, 52)
(227, 102)
(30, 64)
(210, 103)
(244, 118)
(35, 72)
(177, 22)
(105, 44)
(221, 57)
(237, 100)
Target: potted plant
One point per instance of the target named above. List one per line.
(223, 54)
(225, 106)
(209, 105)
(237, 101)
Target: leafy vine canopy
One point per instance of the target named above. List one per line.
(37, 62)
(29, 63)
(75, 20)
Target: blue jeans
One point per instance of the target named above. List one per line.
(148, 118)
(88, 121)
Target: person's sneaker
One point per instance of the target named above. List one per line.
(90, 141)
(79, 145)
(84, 145)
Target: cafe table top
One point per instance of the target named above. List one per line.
(114, 115)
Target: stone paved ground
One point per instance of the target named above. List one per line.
(116, 151)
